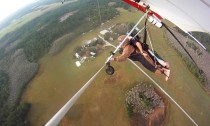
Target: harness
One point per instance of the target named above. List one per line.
(145, 46)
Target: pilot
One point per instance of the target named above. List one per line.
(135, 52)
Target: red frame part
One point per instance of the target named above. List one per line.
(141, 8)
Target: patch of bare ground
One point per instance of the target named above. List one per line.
(138, 120)
(67, 15)
(112, 4)
(199, 55)
(114, 78)
(145, 106)
(155, 119)
(59, 44)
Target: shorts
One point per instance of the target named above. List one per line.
(143, 61)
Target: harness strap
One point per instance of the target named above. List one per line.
(145, 32)
(152, 48)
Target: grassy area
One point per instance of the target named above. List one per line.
(103, 102)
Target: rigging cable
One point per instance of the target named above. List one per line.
(165, 26)
(155, 58)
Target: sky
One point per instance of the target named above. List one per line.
(7, 7)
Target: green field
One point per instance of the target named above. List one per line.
(59, 79)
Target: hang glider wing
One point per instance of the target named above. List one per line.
(189, 15)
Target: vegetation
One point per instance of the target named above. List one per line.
(10, 116)
(4, 89)
(130, 109)
(198, 73)
(145, 101)
(142, 102)
(14, 116)
(142, 99)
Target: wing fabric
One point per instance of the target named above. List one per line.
(189, 15)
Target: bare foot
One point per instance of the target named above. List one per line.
(167, 65)
(167, 74)
(166, 79)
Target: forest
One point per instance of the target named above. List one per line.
(10, 116)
